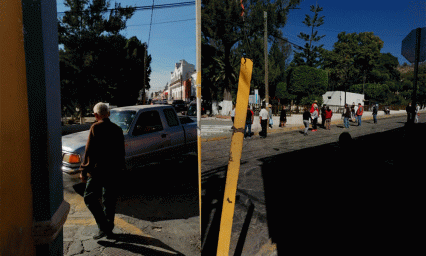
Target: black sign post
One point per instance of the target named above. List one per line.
(416, 40)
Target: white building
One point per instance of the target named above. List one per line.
(180, 87)
(337, 98)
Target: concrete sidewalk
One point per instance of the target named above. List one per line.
(295, 122)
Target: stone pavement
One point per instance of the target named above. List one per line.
(133, 236)
(157, 213)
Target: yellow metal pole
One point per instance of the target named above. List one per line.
(16, 215)
(235, 157)
(198, 86)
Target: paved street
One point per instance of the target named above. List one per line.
(318, 193)
(157, 213)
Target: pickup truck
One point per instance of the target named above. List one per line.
(150, 132)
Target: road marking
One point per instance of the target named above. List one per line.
(85, 218)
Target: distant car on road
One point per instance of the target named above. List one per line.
(150, 133)
(179, 105)
(192, 108)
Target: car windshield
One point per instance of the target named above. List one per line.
(123, 119)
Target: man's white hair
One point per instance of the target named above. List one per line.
(101, 109)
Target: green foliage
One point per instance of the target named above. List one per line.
(311, 55)
(224, 27)
(96, 62)
(307, 83)
(352, 57)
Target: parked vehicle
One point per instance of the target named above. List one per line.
(192, 108)
(179, 105)
(150, 132)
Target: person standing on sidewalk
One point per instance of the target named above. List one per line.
(417, 113)
(233, 114)
(263, 117)
(346, 116)
(249, 122)
(283, 117)
(359, 113)
(306, 117)
(314, 117)
(323, 116)
(327, 116)
(375, 110)
(104, 158)
(410, 112)
(270, 116)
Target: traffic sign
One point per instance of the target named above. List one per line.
(408, 49)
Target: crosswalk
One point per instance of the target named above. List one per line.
(209, 129)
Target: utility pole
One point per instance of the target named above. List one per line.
(265, 17)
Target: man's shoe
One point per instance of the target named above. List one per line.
(100, 235)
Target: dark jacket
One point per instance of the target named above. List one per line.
(105, 152)
(283, 116)
(306, 115)
(347, 112)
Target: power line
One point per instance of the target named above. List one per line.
(164, 22)
(150, 25)
(141, 8)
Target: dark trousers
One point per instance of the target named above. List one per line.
(103, 213)
(264, 125)
(314, 123)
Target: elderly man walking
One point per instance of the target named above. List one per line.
(104, 158)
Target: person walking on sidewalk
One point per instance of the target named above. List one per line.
(104, 158)
(249, 122)
(314, 117)
(306, 117)
(346, 116)
(375, 110)
(283, 117)
(359, 113)
(327, 116)
(263, 117)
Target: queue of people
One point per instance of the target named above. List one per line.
(353, 113)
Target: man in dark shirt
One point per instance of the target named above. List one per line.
(104, 157)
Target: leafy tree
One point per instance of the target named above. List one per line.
(223, 21)
(353, 56)
(307, 84)
(311, 55)
(97, 63)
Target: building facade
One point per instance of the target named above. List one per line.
(181, 86)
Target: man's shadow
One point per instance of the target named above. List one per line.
(139, 244)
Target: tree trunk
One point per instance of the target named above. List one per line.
(227, 96)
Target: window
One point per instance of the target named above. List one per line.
(123, 119)
(171, 117)
(148, 122)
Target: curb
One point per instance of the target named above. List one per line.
(301, 127)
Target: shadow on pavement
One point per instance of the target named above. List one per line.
(358, 195)
(161, 191)
(138, 244)
(213, 187)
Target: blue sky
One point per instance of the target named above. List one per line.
(172, 35)
(390, 20)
